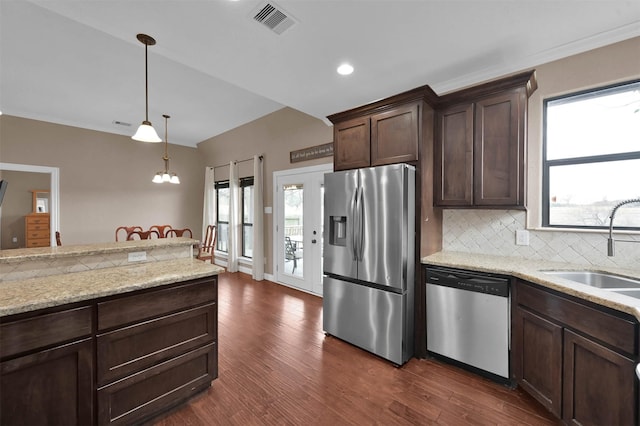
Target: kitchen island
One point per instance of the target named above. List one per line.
(573, 346)
(108, 345)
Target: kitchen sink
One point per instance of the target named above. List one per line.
(633, 293)
(599, 280)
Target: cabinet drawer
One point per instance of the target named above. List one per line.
(37, 221)
(143, 394)
(40, 242)
(134, 348)
(127, 310)
(610, 329)
(42, 227)
(44, 330)
(37, 233)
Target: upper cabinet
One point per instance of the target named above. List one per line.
(351, 140)
(480, 145)
(385, 132)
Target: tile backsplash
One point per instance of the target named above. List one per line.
(494, 232)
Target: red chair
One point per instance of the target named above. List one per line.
(208, 246)
(161, 229)
(143, 235)
(128, 230)
(179, 233)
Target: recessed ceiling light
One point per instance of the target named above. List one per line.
(345, 69)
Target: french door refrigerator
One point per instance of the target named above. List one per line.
(369, 259)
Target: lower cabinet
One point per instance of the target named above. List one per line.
(134, 355)
(50, 387)
(576, 360)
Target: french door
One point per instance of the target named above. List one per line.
(298, 208)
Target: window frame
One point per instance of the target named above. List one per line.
(603, 158)
(224, 184)
(244, 183)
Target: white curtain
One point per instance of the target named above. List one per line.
(235, 218)
(209, 208)
(258, 218)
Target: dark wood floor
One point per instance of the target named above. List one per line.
(277, 367)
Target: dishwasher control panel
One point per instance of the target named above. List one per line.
(465, 280)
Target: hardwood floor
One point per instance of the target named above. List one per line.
(276, 366)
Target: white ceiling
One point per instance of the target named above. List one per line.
(214, 68)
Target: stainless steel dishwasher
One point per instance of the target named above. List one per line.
(468, 319)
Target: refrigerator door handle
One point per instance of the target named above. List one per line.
(351, 228)
(360, 214)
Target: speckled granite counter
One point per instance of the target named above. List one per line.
(41, 253)
(532, 271)
(54, 290)
(22, 264)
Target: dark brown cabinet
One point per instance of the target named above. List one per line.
(135, 355)
(577, 360)
(47, 362)
(386, 132)
(394, 135)
(539, 369)
(351, 141)
(480, 147)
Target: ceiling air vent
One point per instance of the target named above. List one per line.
(273, 17)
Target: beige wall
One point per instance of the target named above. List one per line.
(105, 179)
(272, 136)
(18, 202)
(611, 64)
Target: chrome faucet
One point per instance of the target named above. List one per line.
(610, 241)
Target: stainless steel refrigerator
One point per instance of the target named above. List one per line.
(369, 259)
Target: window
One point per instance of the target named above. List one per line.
(246, 186)
(222, 215)
(592, 157)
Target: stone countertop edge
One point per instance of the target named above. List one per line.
(56, 290)
(533, 271)
(42, 253)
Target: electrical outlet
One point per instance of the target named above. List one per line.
(14, 239)
(137, 256)
(522, 237)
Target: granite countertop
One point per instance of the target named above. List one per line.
(54, 290)
(22, 255)
(533, 271)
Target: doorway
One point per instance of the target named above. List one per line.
(298, 213)
(54, 175)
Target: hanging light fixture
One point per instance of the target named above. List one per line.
(161, 177)
(146, 132)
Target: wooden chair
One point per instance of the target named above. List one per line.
(128, 230)
(291, 252)
(179, 233)
(162, 229)
(143, 235)
(58, 239)
(208, 246)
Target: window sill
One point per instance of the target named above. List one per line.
(585, 231)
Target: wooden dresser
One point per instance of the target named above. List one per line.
(37, 230)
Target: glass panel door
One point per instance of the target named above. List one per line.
(298, 227)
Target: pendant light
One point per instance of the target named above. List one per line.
(161, 177)
(146, 132)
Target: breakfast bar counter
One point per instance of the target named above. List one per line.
(112, 333)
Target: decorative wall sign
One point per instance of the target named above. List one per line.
(311, 153)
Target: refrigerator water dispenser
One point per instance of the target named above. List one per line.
(338, 231)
